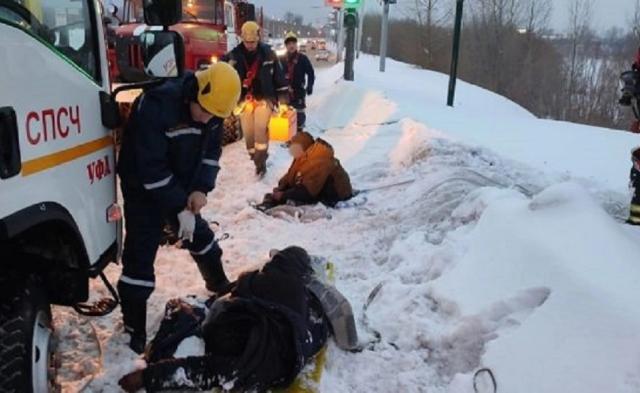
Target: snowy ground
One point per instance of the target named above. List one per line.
(502, 254)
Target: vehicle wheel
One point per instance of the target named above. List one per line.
(232, 130)
(27, 354)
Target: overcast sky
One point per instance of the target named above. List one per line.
(607, 13)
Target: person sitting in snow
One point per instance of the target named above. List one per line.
(314, 176)
(256, 337)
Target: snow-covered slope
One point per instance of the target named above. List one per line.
(501, 253)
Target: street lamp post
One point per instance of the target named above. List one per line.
(384, 37)
(453, 75)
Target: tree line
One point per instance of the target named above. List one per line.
(507, 47)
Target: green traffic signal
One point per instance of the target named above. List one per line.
(352, 3)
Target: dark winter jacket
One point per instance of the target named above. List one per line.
(300, 76)
(165, 154)
(269, 82)
(258, 337)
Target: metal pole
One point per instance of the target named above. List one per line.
(453, 75)
(340, 35)
(385, 36)
(351, 36)
(360, 26)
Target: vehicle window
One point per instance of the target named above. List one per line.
(65, 24)
(202, 10)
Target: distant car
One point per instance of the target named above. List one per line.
(303, 48)
(322, 55)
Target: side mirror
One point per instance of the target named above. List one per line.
(162, 12)
(162, 53)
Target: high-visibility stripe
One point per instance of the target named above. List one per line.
(204, 250)
(262, 146)
(634, 220)
(635, 208)
(158, 184)
(138, 283)
(62, 157)
(211, 162)
(187, 131)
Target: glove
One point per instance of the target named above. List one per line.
(187, 222)
(309, 90)
(132, 382)
(278, 195)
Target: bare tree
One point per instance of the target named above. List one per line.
(537, 14)
(430, 15)
(579, 30)
(634, 20)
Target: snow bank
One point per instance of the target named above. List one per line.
(564, 242)
(480, 118)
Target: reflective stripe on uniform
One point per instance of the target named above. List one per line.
(634, 220)
(635, 208)
(138, 283)
(251, 151)
(186, 131)
(158, 184)
(262, 146)
(206, 249)
(215, 163)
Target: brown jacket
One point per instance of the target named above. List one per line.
(314, 168)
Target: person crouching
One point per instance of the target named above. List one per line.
(315, 175)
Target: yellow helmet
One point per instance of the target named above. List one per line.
(250, 31)
(291, 36)
(218, 89)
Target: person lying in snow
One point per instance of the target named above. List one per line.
(258, 336)
(314, 176)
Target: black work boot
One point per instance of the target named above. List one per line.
(134, 315)
(260, 159)
(210, 266)
(214, 278)
(135, 321)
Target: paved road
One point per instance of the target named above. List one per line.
(321, 64)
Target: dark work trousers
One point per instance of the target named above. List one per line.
(144, 223)
(298, 102)
(634, 184)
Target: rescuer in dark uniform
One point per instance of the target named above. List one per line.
(168, 163)
(300, 77)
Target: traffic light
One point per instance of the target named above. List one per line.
(352, 4)
(351, 18)
(334, 3)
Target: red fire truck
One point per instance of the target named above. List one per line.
(209, 29)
